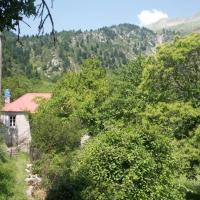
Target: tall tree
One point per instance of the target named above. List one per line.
(0, 62)
(12, 12)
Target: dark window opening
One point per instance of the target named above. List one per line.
(12, 121)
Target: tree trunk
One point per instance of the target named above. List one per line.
(0, 65)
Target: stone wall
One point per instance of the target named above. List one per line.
(22, 127)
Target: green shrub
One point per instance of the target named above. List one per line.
(127, 164)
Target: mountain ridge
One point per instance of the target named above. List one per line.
(114, 46)
(184, 25)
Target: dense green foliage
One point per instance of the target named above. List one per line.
(12, 176)
(174, 73)
(6, 174)
(143, 116)
(20, 85)
(127, 164)
(58, 136)
(12, 173)
(12, 12)
(34, 62)
(144, 121)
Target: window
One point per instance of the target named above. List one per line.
(12, 121)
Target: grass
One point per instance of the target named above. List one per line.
(19, 164)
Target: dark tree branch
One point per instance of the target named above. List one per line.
(26, 23)
(12, 13)
(42, 8)
(18, 31)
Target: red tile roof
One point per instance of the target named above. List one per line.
(25, 103)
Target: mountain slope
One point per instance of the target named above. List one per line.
(114, 46)
(182, 25)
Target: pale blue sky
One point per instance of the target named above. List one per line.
(93, 14)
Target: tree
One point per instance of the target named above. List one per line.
(177, 119)
(174, 73)
(81, 95)
(170, 87)
(13, 12)
(0, 63)
(127, 164)
(18, 85)
(6, 173)
(58, 136)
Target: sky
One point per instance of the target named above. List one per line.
(93, 14)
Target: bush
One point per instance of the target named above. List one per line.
(127, 164)
(6, 176)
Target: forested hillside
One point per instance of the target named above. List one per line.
(37, 57)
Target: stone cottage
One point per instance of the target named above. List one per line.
(15, 116)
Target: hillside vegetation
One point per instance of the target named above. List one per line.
(144, 123)
(12, 175)
(138, 102)
(37, 57)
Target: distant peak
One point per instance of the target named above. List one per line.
(197, 14)
(184, 25)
